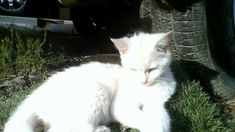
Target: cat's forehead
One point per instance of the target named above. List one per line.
(140, 58)
(144, 42)
(143, 50)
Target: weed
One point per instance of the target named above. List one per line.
(192, 110)
(23, 64)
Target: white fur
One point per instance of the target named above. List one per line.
(75, 100)
(86, 98)
(141, 96)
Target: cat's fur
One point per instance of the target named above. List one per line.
(75, 100)
(86, 98)
(146, 83)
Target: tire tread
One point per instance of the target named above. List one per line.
(190, 39)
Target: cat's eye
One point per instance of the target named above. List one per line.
(133, 69)
(151, 69)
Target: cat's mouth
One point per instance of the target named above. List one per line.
(149, 83)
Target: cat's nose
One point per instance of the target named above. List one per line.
(145, 81)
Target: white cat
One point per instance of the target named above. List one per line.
(74, 100)
(88, 97)
(146, 82)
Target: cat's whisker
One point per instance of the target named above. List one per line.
(162, 79)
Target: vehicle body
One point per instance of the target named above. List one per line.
(88, 16)
(22, 7)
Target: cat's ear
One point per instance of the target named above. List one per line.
(165, 43)
(121, 44)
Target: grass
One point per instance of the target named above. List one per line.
(191, 109)
(10, 101)
(23, 63)
(20, 57)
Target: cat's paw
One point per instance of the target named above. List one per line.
(102, 129)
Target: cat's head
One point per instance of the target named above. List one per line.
(145, 55)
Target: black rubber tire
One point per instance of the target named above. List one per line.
(198, 41)
(82, 21)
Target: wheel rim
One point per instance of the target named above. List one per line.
(12, 6)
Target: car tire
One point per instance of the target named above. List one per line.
(203, 37)
(83, 21)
